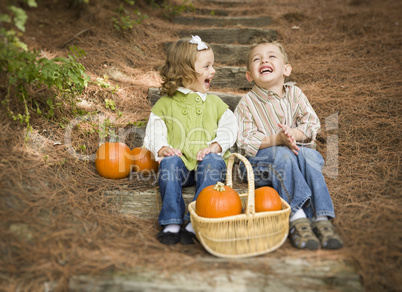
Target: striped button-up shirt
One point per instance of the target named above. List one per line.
(260, 111)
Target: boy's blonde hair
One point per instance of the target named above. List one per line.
(267, 42)
(179, 66)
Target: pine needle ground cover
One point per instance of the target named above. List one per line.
(55, 220)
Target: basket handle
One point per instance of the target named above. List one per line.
(250, 206)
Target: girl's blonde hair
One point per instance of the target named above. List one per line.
(267, 42)
(179, 66)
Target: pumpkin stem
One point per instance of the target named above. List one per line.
(219, 187)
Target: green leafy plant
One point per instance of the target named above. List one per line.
(82, 147)
(80, 2)
(110, 104)
(103, 83)
(141, 123)
(130, 2)
(171, 11)
(125, 19)
(107, 129)
(65, 78)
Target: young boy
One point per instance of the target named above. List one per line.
(277, 132)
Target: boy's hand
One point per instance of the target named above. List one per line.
(213, 148)
(166, 151)
(288, 138)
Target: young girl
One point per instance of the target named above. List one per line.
(189, 132)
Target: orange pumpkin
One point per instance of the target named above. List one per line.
(217, 201)
(113, 160)
(144, 160)
(267, 199)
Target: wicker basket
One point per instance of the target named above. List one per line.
(244, 235)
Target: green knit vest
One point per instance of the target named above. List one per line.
(190, 122)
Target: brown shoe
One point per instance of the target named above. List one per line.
(327, 235)
(301, 234)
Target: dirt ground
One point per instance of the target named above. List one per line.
(346, 57)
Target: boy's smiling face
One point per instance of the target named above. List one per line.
(267, 67)
(205, 70)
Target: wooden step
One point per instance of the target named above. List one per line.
(230, 99)
(211, 12)
(226, 4)
(263, 273)
(243, 36)
(146, 204)
(226, 54)
(223, 21)
(231, 77)
(230, 54)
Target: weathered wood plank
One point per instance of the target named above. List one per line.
(261, 21)
(243, 36)
(144, 204)
(212, 12)
(230, 99)
(226, 54)
(230, 54)
(225, 4)
(284, 275)
(231, 77)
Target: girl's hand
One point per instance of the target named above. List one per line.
(289, 139)
(213, 148)
(166, 151)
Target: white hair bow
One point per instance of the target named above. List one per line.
(200, 44)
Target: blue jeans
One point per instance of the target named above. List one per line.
(297, 178)
(173, 175)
